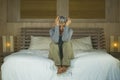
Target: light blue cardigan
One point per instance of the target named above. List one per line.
(66, 36)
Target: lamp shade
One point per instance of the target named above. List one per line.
(114, 43)
(118, 43)
(8, 43)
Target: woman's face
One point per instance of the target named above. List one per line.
(62, 24)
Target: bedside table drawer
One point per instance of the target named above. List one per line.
(2, 56)
(115, 54)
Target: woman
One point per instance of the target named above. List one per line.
(61, 48)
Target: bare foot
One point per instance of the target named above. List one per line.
(64, 68)
(59, 70)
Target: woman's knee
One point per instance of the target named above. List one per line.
(52, 44)
(67, 43)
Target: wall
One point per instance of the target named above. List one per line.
(10, 23)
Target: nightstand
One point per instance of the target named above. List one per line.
(115, 54)
(2, 56)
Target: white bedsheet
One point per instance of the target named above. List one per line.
(34, 65)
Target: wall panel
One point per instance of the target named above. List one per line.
(87, 9)
(112, 11)
(13, 11)
(62, 7)
(3, 10)
(119, 11)
(38, 9)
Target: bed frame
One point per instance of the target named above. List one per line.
(97, 35)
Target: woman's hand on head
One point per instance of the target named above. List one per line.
(68, 22)
(57, 21)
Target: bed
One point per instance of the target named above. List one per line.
(31, 62)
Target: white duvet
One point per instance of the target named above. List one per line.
(34, 65)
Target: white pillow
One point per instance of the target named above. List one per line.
(82, 43)
(39, 42)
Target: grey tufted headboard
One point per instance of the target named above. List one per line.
(97, 35)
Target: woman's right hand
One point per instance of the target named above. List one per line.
(57, 21)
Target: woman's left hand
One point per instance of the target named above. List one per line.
(68, 22)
